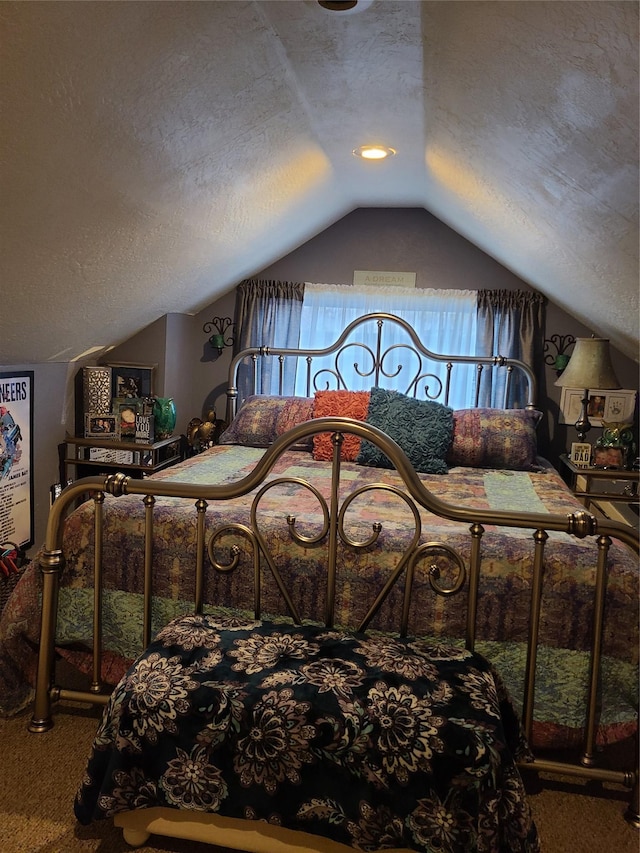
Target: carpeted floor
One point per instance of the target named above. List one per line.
(39, 775)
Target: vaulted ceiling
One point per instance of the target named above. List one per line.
(153, 154)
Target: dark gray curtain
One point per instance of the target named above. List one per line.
(511, 324)
(267, 315)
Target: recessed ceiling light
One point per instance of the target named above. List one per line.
(345, 6)
(338, 5)
(374, 152)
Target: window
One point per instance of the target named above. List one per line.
(445, 321)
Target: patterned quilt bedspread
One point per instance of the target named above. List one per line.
(504, 588)
(363, 740)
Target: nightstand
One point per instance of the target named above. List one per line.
(611, 492)
(89, 456)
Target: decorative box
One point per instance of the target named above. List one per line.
(93, 393)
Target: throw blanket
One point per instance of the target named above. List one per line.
(504, 588)
(369, 741)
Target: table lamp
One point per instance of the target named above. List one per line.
(589, 367)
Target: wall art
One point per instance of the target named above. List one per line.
(604, 405)
(132, 380)
(16, 458)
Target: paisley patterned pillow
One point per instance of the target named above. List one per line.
(495, 438)
(422, 428)
(254, 425)
(296, 411)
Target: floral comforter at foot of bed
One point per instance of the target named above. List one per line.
(372, 741)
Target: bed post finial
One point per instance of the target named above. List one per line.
(582, 524)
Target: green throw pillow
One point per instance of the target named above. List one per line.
(422, 428)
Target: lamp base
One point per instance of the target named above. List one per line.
(583, 424)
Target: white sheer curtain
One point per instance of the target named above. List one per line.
(445, 321)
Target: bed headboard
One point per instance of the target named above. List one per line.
(381, 362)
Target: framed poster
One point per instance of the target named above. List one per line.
(16, 457)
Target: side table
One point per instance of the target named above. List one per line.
(612, 491)
(89, 456)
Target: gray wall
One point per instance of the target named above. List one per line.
(408, 240)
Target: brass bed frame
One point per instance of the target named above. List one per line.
(378, 362)
(446, 569)
(438, 559)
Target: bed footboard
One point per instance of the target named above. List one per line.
(426, 573)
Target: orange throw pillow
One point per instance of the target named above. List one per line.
(346, 404)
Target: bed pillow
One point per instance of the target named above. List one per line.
(296, 411)
(495, 438)
(422, 428)
(348, 404)
(255, 422)
(261, 419)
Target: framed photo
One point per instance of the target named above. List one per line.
(16, 458)
(100, 425)
(132, 380)
(580, 454)
(619, 406)
(56, 490)
(604, 406)
(126, 410)
(609, 457)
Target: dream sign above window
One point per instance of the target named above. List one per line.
(378, 277)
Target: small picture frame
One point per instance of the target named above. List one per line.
(126, 410)
(580, 454)
(101, 425)
(609, 457)
(144, 431)
(132, 380)
(56, 490)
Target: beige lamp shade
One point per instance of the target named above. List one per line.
(589, 366)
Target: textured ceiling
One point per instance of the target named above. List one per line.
(155, 153)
